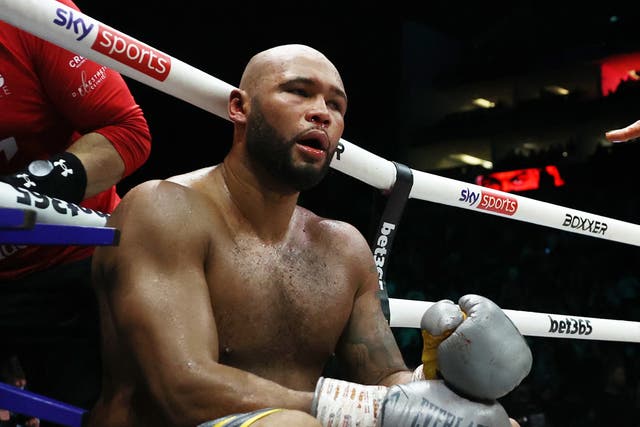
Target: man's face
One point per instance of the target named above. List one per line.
(295, 117)
(273, 152)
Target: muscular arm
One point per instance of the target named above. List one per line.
(100, 159)
(368, 347)
(154, 288)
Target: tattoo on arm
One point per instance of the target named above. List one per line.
(370, 365)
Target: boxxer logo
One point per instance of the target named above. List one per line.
(380, 252)
(570, 326)
(586, 224)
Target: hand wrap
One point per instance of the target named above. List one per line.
(340, 403)
(346, 404)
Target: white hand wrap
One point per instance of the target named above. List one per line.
(346, 404)
(418, 374)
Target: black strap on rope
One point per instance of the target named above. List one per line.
(381, 244)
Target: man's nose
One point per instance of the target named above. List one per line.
(319, 113)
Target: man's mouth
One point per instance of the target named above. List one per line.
(314, 142)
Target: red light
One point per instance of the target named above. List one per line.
(520, 179)
(617, 69)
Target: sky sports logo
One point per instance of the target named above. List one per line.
(117, 46)
(489, 201)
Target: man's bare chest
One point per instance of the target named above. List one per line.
(279, 300)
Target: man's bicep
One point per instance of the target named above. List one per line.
(155, 291)
(165, 311)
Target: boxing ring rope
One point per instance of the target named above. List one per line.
(407, 314)
(23, 212)
(27, 217)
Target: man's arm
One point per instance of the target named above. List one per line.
(153, 285)
(103, 164)
(372, 356)
(112, 137)
(367, 347)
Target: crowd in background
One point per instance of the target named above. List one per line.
(445, 252)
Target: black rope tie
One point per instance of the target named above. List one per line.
(381, 245)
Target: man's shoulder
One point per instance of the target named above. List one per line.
(331, 225)
(157, 199)
(336, 231)
(189, 178)
(151, 188)
(158, 211)
(188, 184)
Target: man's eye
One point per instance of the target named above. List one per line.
(300, 92)
(335, 105)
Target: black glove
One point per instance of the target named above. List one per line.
(61, 177)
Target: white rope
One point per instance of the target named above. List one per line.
(408, 313)
(49, 210)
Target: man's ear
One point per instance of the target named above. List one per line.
(236, 106)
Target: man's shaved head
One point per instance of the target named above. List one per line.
(277, 59)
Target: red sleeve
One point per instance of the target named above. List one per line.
(93, 98)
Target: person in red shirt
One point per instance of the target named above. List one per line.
(73, 128)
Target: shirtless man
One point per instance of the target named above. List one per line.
(226, 297)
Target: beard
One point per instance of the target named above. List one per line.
(271, 152)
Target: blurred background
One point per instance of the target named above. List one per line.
(465, 91)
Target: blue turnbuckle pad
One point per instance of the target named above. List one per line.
(28, 403)
(17, 218)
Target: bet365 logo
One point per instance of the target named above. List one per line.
(570, 326)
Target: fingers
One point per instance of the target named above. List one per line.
(471, 303)
(442, 318)
(624, 134)
(514, 423)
